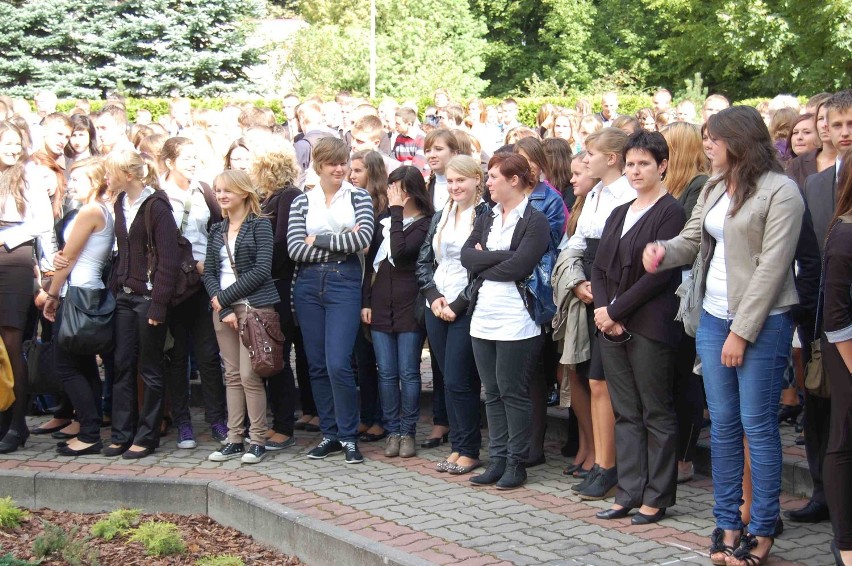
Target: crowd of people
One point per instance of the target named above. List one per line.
(656, 270)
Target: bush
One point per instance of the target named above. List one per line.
(11, 516)
(159, 538)
(117, 523)
(9, 560)
(221, 560)
(52, 541)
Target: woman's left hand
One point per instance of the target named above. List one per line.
(447, 314)
(50, 307)
(733, 351)
(602, 319)
(231, 320)
(396, 196)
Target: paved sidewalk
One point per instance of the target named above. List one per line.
(408, 505)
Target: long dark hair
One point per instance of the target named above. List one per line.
(844, 190)
(377, 177)
(558, 153)
(413, 184)
(535, 151)
(750, 151)
(81, 123)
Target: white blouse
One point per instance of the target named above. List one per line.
(450, 276)
(336, 218)
(600, 203)
(36, 221)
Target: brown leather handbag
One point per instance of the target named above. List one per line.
(260, 332)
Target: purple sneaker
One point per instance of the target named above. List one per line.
(186, 439)
(220, 433)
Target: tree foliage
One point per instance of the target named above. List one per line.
(141, 47)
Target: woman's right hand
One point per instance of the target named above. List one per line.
(653, 256)
(60, 262)
(214, 302)
(583, 291)
(231, 320)
(438, 306)
(367, 316)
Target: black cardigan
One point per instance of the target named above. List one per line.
(644, 302)
(530, 241)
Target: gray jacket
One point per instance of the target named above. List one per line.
(762, 240)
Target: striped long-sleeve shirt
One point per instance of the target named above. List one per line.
(330, 246)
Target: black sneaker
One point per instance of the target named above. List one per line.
(495, 470)
(514, 476)
(603, 486)
(255, 454)
(353, 455)
(593, 473)
(324, 448)
(230, 451)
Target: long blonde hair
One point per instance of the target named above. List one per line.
(132, 163)
(467, 166)
(12, 180)
(239, 183)
(95, 171)
(686, 156)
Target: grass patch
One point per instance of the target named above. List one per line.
(117, 523)
(221, 560)
(11, 516)
(159, 538)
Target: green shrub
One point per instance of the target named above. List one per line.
(77, 552)
(52, 541)
(159, 538)
(117, 523)
(11, 515)
(221, 560)
(9, 560)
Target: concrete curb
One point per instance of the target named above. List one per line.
(282, 528)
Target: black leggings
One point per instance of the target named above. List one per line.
(688, 400)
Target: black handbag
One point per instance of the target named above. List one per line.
(86, 323)
(41, 379)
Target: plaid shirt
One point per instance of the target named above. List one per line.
(408, 150)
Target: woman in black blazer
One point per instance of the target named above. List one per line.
(501, 253)
(635, 315)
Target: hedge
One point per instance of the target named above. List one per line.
(527, 107)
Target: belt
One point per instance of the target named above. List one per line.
(48, 273)
(128, 291)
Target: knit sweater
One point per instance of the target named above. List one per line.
(131, 266)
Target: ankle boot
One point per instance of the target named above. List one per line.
(514, 476)
(493, 473)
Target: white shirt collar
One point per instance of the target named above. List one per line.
(517, 211)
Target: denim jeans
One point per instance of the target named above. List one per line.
(451, 345)
(327, 297)
(745, 400)
(398, 358)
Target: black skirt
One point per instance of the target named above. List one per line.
(17, 279)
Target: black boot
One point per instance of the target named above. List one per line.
(493, 473)
(514, 476)
(602, 486)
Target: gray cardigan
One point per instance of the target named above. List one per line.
(759, 262)
(252, 254)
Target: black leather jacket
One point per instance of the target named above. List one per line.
(426, 264)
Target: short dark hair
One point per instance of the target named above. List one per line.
(511, 165)
(652, 142)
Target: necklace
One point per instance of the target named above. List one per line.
(633, 207)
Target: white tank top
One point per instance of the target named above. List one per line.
(88, 271)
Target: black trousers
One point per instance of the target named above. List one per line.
(367, 373)
(82, 385)
(688, 400)
(192, 320)
(640, 373)
(281, 388)
(837, 466)
(540, 385)
(816, 429)
(138, 346)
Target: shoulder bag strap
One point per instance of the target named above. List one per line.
(187, 207)
(152, 248)
(228, 249)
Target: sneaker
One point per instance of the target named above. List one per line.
(324, 448)
(186, 439)
(353, 455)
(230, 451)
(392, 446)
(219, 431)
(255, 454)
(603, 486)
(406, 447)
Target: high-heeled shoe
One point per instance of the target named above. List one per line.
(434, 442)
(12, 441)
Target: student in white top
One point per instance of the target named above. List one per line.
(501, 253)
(194, 209)
(24, 215)
(604, 158)
(88, 246)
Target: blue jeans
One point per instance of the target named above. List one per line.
(451, 345)
(327, 297)
(745, 400)
(398, 357)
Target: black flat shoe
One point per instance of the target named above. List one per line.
(433, 442)
(613, 513)
(299, 425)
(311, 427)
(789, 413)
(93, 449)
(537, 462)
(42, 430)
(12, 441)
(117, 450)
(643, 519)
(813, 512)
(370, 437)
(136, 455)
(59, 435)
(779, 528)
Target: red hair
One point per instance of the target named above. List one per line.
(511, 165)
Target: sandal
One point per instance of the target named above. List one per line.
(747, 544)
(718, 546)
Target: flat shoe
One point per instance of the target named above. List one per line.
(370, 437)
(434, 442)
(136, 455)
(457, 470)
(59, 435)
(643, 519)
(67, 451)
(443, 466)
(311, 427)
(609, 514)
(272, 446)
(116, 450)
(42, 430)
(299, 425)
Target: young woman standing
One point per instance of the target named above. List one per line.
(389, 306)
(740, 226)
(501, 252)
(143, 291)
(329, 228)
(238, 278)
(442, 280)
